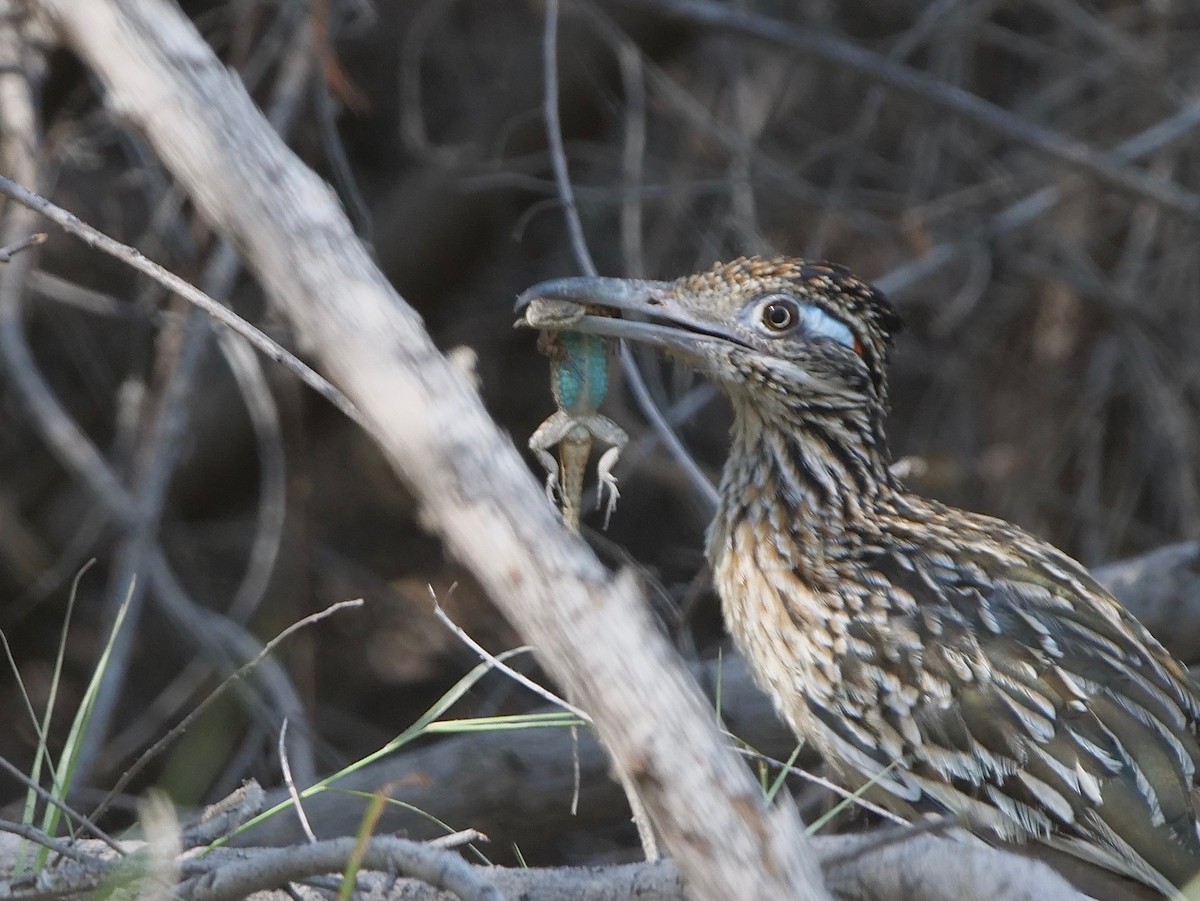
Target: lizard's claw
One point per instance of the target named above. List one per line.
(547, 436)
(606, 481)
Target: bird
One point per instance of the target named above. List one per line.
(951, 662)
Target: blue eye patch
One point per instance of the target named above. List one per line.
(817, 323)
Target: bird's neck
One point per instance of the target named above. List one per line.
(797, 492)
(817, 469)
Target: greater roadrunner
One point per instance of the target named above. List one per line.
(963, 665)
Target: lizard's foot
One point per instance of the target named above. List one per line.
(607, 482)
(551, 466)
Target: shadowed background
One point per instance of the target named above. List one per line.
(1048, 374)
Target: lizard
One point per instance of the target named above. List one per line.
(579, 381)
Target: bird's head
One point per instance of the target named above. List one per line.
(771, 330)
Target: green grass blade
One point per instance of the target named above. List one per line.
(69, 758)
(366, 828)
(56, 679)
(42, 729)
(771, 792)
(820, 822)
(396, 802)
(505, 723)
(413, 732)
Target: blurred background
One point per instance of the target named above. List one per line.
(1049, 373)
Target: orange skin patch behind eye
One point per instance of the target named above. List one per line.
(858, 347)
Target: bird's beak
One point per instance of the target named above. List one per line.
(648, 312)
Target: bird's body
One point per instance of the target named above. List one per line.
(955, 662)
(939, 655)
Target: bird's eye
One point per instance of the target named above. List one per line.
(780, 314)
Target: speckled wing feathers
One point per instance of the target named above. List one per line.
(1029, 710)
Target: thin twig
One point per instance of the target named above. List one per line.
(228, 641)
(291, 784)
(54, 802)
(241, 673)
(37, 836)
(701, 484)
(98, 240)
(576, 774)
(554, 142)
(824, 783)
(271, 511)
(7, 253)
(500, 664)
(457, 839)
